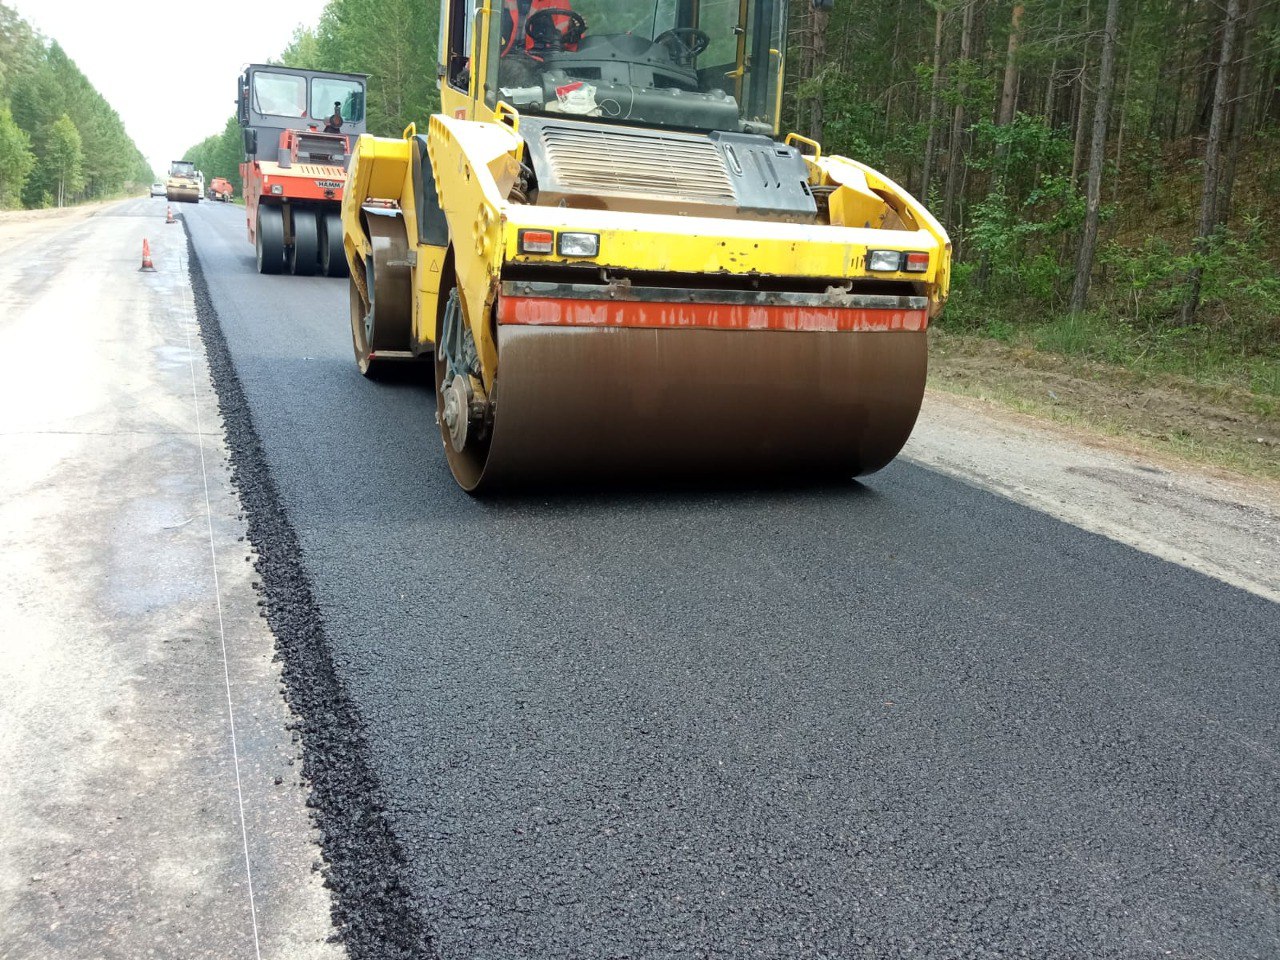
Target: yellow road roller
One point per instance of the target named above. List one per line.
(184, 183)
(619, 267)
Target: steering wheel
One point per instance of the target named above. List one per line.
(547, 34)
(685, 43)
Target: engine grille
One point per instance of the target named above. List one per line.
(320, 149)
(641, 163)
(320, 171)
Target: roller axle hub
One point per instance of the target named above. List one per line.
(459, 411)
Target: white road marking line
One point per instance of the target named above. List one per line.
(222, 633)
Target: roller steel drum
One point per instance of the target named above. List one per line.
(576, 403)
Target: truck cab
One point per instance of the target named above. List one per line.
(220, 189)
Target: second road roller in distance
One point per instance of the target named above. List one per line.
(619, 269)
(184, 182)
(298, 126)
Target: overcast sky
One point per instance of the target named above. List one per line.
(172, 86)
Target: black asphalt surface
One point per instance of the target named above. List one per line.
(901, 718)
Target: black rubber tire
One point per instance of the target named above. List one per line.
(333, 258)
(269, 240)
(304, 255)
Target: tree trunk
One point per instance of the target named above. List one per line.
(1124, 107)
(957, 121)
(1212, 155)
(1239, 111)
(1178, 86)
(1205, 96)
(1049, 88)
(1008, 98)
(1269, 92)
(1082, 105)
(893, 73)
(818, 43)
(1159, 83)
(1097, 154)
(1008, 101)
(799, 38)
(935, 88)
(1082, 124)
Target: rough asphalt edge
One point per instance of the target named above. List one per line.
(372, 906)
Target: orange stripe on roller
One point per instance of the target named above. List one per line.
(556, 312)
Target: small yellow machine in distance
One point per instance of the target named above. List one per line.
(184, 183)
(620, 269)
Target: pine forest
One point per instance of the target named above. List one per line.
(1107, 169)
(60, 141)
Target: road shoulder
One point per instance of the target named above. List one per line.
(1204, 518)
(1164, 416)
(154, 799)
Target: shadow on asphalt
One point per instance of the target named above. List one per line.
(686, 492)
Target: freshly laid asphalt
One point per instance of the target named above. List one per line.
(897, 718)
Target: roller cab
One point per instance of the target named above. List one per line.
(619, 268)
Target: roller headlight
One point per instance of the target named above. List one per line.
(884, 261)
(579, 244)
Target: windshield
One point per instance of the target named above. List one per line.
(347, 94)
(694, 64)
(280, 94)
(182, 168)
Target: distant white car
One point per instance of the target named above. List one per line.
(157, 189)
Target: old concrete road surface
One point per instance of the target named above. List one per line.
(150, 802)
(902, 718)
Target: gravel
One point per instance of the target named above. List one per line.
(363, 864)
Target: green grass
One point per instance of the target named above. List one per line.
(1141, 279)
(1085, 374)
(1206, 354)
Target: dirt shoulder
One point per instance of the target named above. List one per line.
(1165, 416)
(1170, 473)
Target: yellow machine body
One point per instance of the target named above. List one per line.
(183, 183)
(697, 337)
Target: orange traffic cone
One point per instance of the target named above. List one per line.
(168, 215)
(146, 256)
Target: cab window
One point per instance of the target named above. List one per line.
(326, 91)
(280, 94)
(457, 60)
